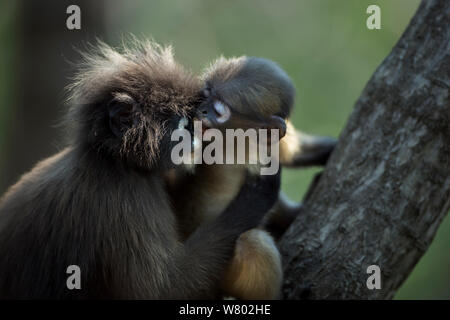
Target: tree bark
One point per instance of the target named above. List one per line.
(386, 188)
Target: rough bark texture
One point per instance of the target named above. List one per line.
(386, 187)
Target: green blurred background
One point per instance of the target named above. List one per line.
(323, 45)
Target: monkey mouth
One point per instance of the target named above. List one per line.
(206, 124)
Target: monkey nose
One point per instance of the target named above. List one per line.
(202, 112)
(203, 116)
(206, 123)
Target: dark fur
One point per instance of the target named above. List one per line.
(252, 86)
(101, 203)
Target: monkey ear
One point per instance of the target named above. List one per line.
(120, 114)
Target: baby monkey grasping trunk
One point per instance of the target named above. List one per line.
(247, 93)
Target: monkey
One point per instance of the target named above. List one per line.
(101, 203)
(253, 92)
(242, 93)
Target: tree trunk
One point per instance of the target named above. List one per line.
(386, 187)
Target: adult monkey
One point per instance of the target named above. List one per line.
(101, 203)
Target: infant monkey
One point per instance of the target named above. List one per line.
(243, 93)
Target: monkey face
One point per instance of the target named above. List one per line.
(138, 131)
(125, 105)
(136, 128)
(216, 114)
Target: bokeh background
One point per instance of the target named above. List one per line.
(323, 45)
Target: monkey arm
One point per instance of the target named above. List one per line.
(298, 149)
(200, 196)
(206, 253)
(281, 215)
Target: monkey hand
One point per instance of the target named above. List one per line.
(256, 197)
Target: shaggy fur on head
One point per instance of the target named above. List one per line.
(144, 80)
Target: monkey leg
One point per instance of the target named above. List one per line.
(255, 271)
(281, 215)
(298, 149)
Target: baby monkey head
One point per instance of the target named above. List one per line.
(246, 92)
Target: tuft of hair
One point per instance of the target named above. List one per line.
(251, 84)
(143, 75)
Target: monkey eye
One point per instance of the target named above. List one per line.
(222, 111)
(206, 92)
